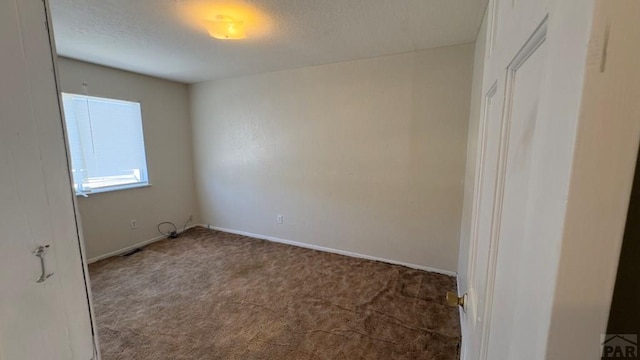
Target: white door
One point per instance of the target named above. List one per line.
(506, 289)
(483, 242)
(48, 319)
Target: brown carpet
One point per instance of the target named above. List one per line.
(213, 295)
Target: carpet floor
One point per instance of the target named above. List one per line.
(213, 295)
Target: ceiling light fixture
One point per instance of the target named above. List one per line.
(226, 28)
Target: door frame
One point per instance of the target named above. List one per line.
(606, 150)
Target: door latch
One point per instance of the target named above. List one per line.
(40, 252)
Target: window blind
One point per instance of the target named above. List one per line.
(106, 142)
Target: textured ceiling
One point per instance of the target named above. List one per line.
(167, 38)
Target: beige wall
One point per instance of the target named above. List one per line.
(106, 217)
(363, 156)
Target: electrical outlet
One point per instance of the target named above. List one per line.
(279, 219)
(134, 224)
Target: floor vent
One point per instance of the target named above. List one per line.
(131, 252)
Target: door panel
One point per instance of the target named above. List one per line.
(481, 234)
(524, 76)
(486, 198)
(48, 320)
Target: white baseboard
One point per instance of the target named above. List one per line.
(331, 250)
(134, 246)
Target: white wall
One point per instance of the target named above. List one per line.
(364, 156)
(602, 173)
(106, 217)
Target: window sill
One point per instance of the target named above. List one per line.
(112, 188)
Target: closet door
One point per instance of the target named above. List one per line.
(44, 309)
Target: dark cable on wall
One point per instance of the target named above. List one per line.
(171, 234)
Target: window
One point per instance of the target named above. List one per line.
(106, 143)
